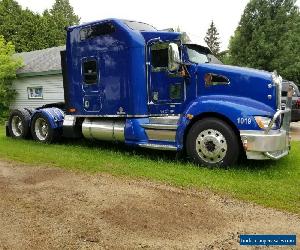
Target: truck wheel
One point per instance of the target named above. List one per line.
(41, 129)
(212, 142)
(18, 124)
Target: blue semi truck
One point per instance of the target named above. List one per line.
(126, 81)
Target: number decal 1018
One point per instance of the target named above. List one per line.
(244, 120)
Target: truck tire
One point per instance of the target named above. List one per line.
(212, 142)
(41, 129)
(19, 124)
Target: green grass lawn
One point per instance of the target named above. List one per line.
(270, 183)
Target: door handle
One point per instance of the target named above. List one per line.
(86, 104)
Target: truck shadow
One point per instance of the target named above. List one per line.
(155, 155)
(167, 156)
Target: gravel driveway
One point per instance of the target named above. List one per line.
(49, 208)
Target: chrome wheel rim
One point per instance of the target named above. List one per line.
(17, 126)
(211, 146)
(41, 129)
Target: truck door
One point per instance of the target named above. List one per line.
(91, 84)
(166, 91)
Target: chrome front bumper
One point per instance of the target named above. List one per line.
(268, 143)
(261, 146)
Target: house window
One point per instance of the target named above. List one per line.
(90, 74)
(35, 92)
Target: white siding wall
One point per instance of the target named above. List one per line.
(52, 90)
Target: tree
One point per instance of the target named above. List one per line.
(10, 11)
(212, 39)
(224, 57)
(61, 15)
(8, 67)
(268, 37)
(31, 31)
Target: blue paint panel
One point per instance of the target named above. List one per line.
(161, 82)
(134, 132)
(121, 70)
(245, 82)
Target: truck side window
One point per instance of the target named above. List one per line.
(90, 74)
(175, 91)
(96, 30)
(159, 56)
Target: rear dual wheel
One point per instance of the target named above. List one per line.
(19, 124)
(42, 131)
(212, 142)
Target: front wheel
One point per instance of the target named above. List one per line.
(212, 142)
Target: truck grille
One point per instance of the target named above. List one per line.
(277, 82)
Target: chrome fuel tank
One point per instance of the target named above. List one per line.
(107, 130)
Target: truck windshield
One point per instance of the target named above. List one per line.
(139, 26)
(199, 54)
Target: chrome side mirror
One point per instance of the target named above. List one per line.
(174, 57)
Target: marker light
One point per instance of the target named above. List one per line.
(263, 122)
(72, 110)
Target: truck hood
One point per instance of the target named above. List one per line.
(243, 82)
(242, 71)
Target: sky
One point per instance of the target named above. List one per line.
(192, 16)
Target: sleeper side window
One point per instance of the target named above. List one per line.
(90, 73)
(96, 30)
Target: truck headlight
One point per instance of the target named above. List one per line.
(263, 122)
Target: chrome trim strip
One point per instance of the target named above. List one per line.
(159, 126)
(126, 116)
(158, 146)
(171, 120)
(112, 116)
(166, 103)
(163, 115)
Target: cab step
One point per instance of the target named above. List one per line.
(161, 128)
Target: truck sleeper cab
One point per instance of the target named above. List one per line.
(126, 81)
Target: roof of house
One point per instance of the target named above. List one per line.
(41, 62)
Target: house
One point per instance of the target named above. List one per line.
(40, 80)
